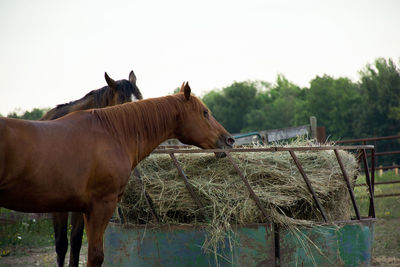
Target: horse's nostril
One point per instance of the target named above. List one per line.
(230, 141)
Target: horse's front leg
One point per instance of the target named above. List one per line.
(96, 221)
(76, 238)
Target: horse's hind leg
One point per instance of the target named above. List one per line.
(76, 238)
(60, 224)
(96, 221)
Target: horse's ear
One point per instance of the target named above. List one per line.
(132, 77)
(182, 87)
(110, 81)
(187, 91)
(185, 88)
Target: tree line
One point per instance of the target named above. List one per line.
(366, 108)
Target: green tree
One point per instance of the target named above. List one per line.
(230, 105)
(380, 92)
(278, 106)
(35, 114)
(334, 102)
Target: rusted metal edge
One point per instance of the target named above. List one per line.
(196, 199)
(373, 170)
(346, 179)
(368, 139)
(319, 206)
(385, 153)
(247, 184)
(269, 149)
(149, 201)
(371, 211)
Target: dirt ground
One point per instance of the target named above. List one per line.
(46, 257)
(386, 261)
(43, 257)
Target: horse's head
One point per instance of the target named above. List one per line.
(123, 90)
(198, 127)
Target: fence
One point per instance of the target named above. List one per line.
(379, 153)
(274, 135)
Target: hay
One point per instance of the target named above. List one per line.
(274, 178)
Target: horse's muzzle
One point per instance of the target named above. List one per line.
(224, 142)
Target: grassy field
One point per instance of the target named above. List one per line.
(386, 248)
(385, 208)
(33, 239)
(17, 238)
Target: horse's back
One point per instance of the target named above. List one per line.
(37, 158)
(45, 164)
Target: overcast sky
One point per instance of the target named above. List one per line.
(53, 52)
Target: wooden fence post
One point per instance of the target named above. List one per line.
(313, 126)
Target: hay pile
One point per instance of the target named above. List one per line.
(273, 176)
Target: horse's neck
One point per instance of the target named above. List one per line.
(140, 133)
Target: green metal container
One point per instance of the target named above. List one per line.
(346, 244)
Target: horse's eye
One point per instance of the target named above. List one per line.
(205, 113)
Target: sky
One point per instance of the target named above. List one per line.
(53, 52)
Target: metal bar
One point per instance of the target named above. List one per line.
(368, 139)
(149, 201)
(246, 182)
(379, 183)
(373, 170)
(270, 149)
(187, 184)
(385, 153)
(346, 179)
(277, 245)
(319, 148)
(319, 206)
(388, 167)
(371, 211)
(383, 168)
(388, 195)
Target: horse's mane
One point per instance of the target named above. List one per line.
(101, 98)
(147, 118)
(102, 95)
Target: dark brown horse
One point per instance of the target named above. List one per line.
(117, 92)
(82, 161)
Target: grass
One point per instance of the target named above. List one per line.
(387, 227)
(16, 238)
(385, 208)
(387, 238)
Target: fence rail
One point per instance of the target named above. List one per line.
(364, 141)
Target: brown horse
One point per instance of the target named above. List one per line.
(117, 92)
(82, 161)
